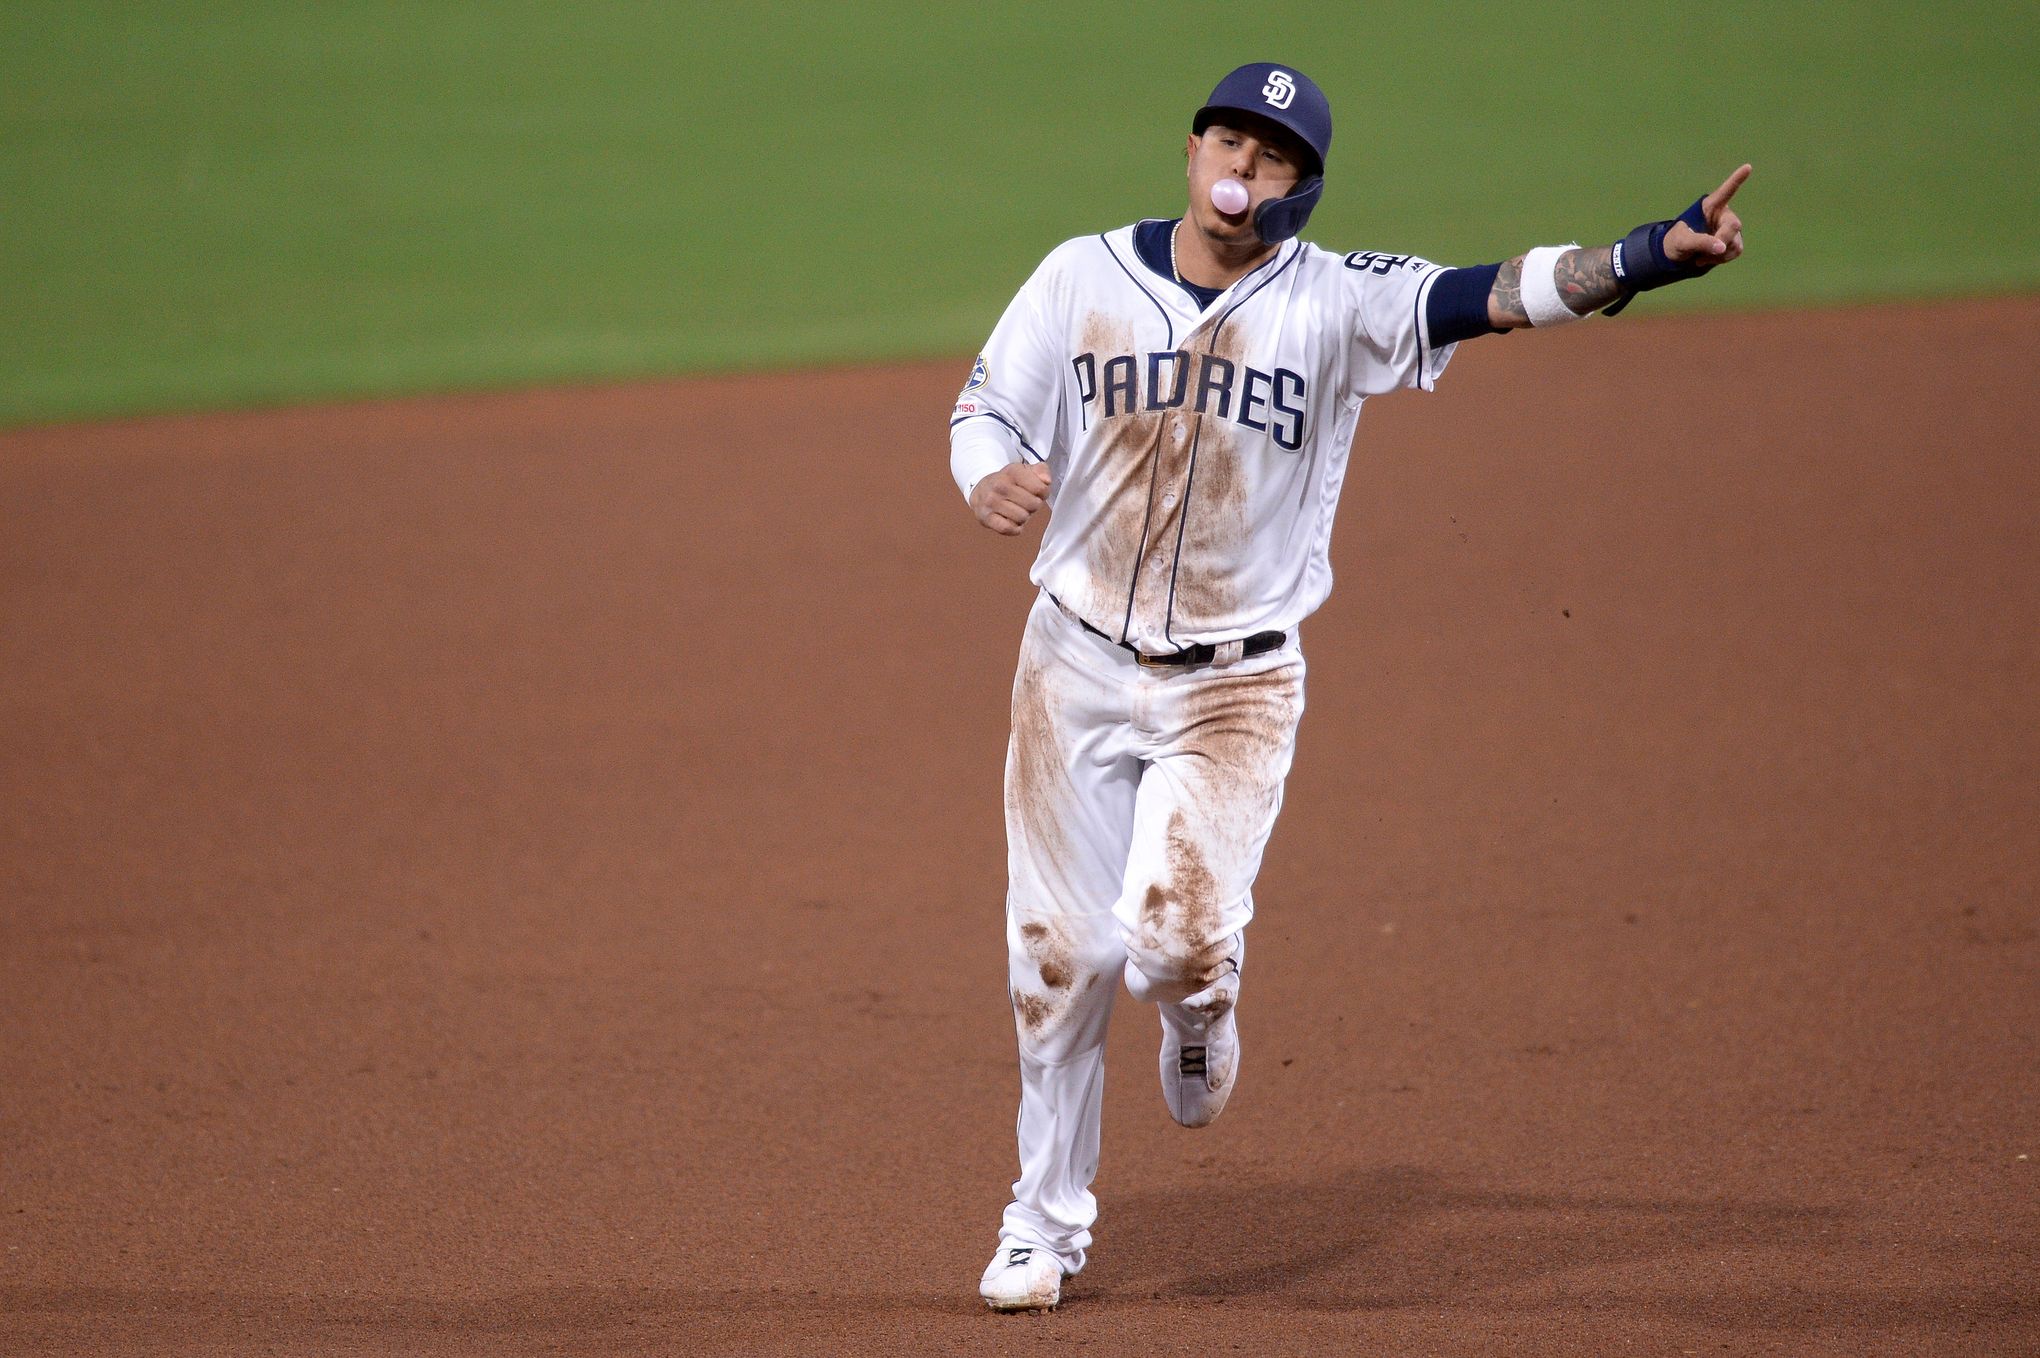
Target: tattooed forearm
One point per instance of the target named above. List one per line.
(1505, 301)
(1586, 279)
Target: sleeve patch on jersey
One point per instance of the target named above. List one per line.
(978, 374)
(1374, 261)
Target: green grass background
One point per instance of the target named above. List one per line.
(218, 203)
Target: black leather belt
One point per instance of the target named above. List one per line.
(1258, 644)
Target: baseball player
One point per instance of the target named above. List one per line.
(1182, 394)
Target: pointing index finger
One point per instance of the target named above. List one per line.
(1718, 199)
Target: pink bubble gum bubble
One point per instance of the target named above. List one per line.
(1229, 196)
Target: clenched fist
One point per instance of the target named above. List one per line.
(1006, 499)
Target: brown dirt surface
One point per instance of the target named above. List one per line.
(523, 874)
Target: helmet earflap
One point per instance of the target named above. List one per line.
(1278, 219)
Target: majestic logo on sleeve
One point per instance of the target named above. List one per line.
(1269, 403)
(1280, 89)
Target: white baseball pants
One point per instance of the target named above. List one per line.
(1138, 803)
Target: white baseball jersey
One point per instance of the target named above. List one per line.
(1196, 452)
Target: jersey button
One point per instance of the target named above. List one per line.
(1169, 500)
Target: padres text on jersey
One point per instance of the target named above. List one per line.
(1196, 452)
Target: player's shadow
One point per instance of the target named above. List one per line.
(1393, 1238)
(1379, 1239)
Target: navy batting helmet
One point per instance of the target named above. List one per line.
(1289, 98)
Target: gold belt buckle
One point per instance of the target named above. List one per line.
(1148, 662)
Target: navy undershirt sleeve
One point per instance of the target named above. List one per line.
(1457, 307)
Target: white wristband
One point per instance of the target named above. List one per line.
(977, 448)
(1540, 287)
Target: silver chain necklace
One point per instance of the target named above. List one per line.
(1178, 273)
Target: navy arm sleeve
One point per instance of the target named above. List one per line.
(1457, 308)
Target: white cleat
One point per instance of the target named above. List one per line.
(1022, 1278)
(1200, 1061)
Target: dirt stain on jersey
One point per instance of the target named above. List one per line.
(1039, 796)
(1034, 1011)
(1180, 917)
(1122, 477)
(1122, 489)
(1241, 728)
(1105, 336)
(1242, 724)
(1215, 535)
(1165, 473)
(1169, 527)
(1048, 945)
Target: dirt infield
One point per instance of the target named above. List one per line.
(523, 875)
